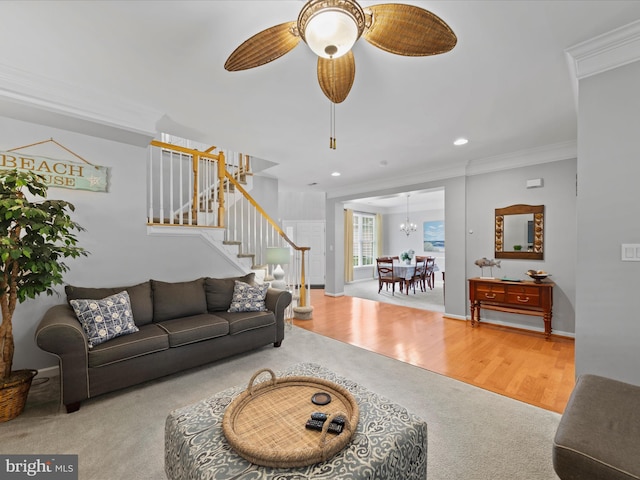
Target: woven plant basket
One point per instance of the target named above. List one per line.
(265, 424)
(13, 393)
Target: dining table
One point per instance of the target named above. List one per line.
(406, 271)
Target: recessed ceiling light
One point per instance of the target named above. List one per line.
(461, 141)
(335, 174)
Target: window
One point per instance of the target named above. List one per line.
(364, 235)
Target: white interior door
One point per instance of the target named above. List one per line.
(310, 234)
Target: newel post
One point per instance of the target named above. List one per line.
(302, 311)
(222, 168)
(196, 194)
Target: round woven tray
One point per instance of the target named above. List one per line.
(265, 424)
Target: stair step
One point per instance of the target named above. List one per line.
(229, 242)
(167, 221)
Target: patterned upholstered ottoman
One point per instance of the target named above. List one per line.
(389, 443)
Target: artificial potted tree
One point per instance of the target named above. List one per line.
(36, 237)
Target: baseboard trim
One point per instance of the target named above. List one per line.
(334, 294)
(527, 328)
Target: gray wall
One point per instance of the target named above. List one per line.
(301, 205)
(396, 242)
(264, 190)
(607, 326)
(116, 234)
(489, 191)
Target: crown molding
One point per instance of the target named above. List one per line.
(37, 92)
(386, 183)
(607, 51)
(524, 158)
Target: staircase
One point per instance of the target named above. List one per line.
(200, 192)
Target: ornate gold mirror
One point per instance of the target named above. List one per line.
(520, 232)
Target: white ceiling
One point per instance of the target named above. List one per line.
(506, 86)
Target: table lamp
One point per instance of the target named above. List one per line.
(278, 256)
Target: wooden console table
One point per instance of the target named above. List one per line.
(525, 297)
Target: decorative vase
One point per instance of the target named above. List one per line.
(13, 394)
(407, 261)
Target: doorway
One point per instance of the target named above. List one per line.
(425, 208)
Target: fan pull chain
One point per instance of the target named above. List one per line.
(332, 133)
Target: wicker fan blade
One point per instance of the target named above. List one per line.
(408, 30)
(263, 47)
(336, 76)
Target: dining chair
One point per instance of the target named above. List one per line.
(386, 275)
(430, 274)
(422, 281)
(419, 275)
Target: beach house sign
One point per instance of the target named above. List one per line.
(58, 173)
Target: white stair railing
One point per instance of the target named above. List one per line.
(248, 224)
(183, 185)
(189, 187)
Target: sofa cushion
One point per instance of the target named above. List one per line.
(178, 299)
(598, 434)
(248, 298)
(243, 321)
(105, 319)
(139, 296)
(219, 291)
(194, 329)
(149, 339)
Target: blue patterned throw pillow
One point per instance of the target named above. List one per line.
(248, 298)
(105, 319)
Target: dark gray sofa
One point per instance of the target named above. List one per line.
(599, 432)
(180, 325)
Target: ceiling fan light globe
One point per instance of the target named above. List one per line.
(331, 33)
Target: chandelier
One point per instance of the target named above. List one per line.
(407, 227)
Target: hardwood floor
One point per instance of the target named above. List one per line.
(516, 363)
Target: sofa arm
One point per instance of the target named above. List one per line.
(60, 333)
(277, 301)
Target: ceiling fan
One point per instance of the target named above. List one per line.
(331, 27)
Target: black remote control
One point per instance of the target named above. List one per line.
(314, 424)
(317, 425)
(323, 417)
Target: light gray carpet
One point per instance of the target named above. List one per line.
(473, 434)
(430, 300)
